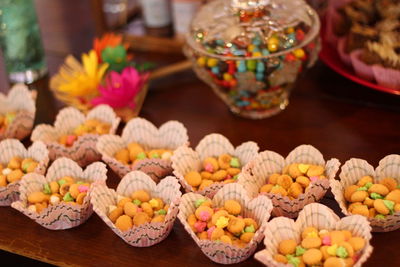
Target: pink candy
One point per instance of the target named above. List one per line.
(70, 139)
(200, 226)
(204, 216)
(139, 210)
(326, 240)
(83, 188)
(210, 231)
(209, 167)
(314, 178)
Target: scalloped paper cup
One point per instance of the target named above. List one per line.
(12, 147)
(386, 76)
(269, 162)
(320, 217)
(147, 234)
(258, 208)
(353, 170)
(63, 215)
(23, 101)
(170, 135)
(186, 159)
(362, 69)
(83, 151)
(341, 48)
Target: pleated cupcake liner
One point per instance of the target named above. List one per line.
(320, 217)
(170, 135)
(147, 234)
(63, 215)
(83, 151)
(186, 159)
(22, 101)
(258, 208)
(269, 162)
(353, 170)
(386, 76)
(362, 69)
(11, 148)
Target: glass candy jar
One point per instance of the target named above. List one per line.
(251, 52)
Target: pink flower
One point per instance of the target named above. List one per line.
(120, 90)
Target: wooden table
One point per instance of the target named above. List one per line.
(339, 117)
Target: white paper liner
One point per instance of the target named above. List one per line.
(22, 101)
(318, 216)
(269, 162)
(12, 147)
(147, 234)
(353, 170)
(83, 151)
(258, 208)
(186, 159)
(63, 215)
(170, 135)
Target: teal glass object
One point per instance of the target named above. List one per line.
(20, 41)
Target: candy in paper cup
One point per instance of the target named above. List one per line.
(352, 171)
(63, 215)
(362, 69)
(313, 215)
(147, 234)
(185, 159)
(258, 208)
(21, 101)
(83, 151)
(386, 76)
(269, 162)
(170, 135)
(11, 148)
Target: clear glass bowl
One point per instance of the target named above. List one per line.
(252, 53)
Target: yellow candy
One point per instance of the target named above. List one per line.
(312, 234)
(251, 47)
(201, 61)
(227, 76)
(332, 250)
(299, 53)
(222, 222)
(290, 30)
(257, 54)
(153, 203)
(273, 40)
(212, 62)
(272, 47)
(303, 167)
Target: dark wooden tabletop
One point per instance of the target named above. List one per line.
(342, 119)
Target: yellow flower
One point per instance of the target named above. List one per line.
(77, 80)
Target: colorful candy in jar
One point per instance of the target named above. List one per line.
(15, 169)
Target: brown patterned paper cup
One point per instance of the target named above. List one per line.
(170, 135)
(353, 170)
(147, 234)
(83, 151)
(258, 208)
(269, 162)
(63, 215)
(185, 159)
(22, 101)
(11, 148)
(320, 217)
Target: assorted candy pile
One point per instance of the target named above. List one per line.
(90, 126)
(136, 210)
(224, 168)
(224, 224)
(135, 152)
(6, 120)
(321, 248)
(374, 200)
(294, 180)
(66, 189)
(15, 169)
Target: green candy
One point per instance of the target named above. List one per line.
(26, 166)
(61, 182)
(235, 162)
(155, 156)
(235, 177)
(300, 251)
(376, 196)
(368, 185)
(389, 204)
(199, 202)
(10, 118)
(161, 212)
(68, 198)
(295, 261)
(398, 186)
(342, 252)
(141, 155)
(380, 217)
(249, 229)
(80, 182)
(137, 202)
(116, 57)
(362, 188)
(47, 189)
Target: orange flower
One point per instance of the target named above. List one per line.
(108, 39)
